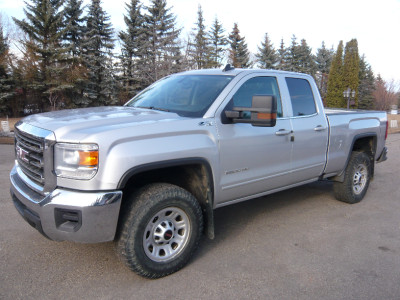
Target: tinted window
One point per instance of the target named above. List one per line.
(257, 86)
(186, 95)
(301, 96)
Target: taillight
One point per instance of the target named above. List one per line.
(387, 127)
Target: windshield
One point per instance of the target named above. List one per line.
(186, 95)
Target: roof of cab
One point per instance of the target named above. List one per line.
(234, 72)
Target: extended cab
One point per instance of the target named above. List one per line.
(149, 174)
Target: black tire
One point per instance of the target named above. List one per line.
(356, 179)
(161, 230)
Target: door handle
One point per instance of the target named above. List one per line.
(282, 132)
(319, 128)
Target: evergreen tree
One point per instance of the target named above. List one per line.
(293, 56)
(44, 29)
(160, 49)
(6, 81)
(298, 57)
(97, 53)
(75, 26)
(282, 56)
(323, 62)
(351, 67)
(336, 85)
(238, 53)
(305, 59)
(76, 72)
(267, 57)
(218, 43)
(366, 86)
(324, 58)
(200, 50)
(130, 48)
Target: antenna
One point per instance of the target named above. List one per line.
(228, 67)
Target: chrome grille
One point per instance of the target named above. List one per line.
(29, 153)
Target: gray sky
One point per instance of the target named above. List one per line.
(375, 24)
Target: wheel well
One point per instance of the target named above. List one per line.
(196, 178)
(366, 144)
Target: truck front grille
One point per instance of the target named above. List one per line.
(29, 153)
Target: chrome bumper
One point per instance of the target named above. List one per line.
(66, 215)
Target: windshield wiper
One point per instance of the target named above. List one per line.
(153, 108)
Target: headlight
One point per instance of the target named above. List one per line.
(76, 161)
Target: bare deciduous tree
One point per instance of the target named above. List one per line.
(385, 93)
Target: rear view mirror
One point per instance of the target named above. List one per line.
(262, 112)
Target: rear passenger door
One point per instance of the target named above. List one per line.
(310, 130)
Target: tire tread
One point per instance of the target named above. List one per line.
(142, 201)
(343, 191)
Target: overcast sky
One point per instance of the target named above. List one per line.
(374, 23)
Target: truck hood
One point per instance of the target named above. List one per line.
(75, 125)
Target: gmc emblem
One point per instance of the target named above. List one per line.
(22, 154)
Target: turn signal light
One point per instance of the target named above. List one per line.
(88, 158)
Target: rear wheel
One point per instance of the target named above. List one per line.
(356, 179)
(161, 230)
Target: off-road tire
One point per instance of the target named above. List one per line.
(356, 179)
(143, 223)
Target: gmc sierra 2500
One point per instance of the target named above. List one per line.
(149, 174)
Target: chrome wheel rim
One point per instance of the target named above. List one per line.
(166, 234)
(360, 178)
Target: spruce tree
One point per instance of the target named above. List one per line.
(351, 67)
(44, 28)
(336, 85)
(323, 62)
(6, 82)
(267, 57)
(293, 56)
(97, 49)
(239, 55)
(218, 44)
(74, 26)
(73, 37)
(282, 56)
(306, 60)
(130, 49)
(366, 86)
(299, 58)
(160, 49)
(324, 58)
(200, 50)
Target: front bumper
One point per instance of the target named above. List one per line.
(67, 215)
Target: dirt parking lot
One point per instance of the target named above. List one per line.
(297, 244)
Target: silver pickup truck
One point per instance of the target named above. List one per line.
(150, 174)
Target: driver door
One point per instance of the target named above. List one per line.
(254, 159)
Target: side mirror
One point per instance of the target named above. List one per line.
(262, 112)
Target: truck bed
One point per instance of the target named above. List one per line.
(345, 127)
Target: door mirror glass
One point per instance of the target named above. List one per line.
(262, 112)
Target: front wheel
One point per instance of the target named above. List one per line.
(356, 179)
(161, 230)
